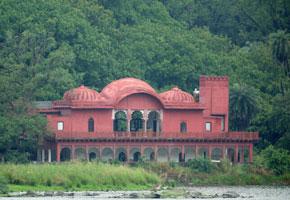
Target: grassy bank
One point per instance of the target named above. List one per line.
(76, 176)
(203, 172)
(139, 176)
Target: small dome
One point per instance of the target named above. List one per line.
(176, 95)
(81, 93)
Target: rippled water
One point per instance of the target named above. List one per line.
(249, 192)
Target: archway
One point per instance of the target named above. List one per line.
(153, 122)
(107, 154)
(65, 154)
(162, 155)
(136, 123)
(216, 154)
(92, 156)
(175, 155)
(122, 157)
(189, 153)
(149, 154)
(136, 156)
(203, 153)
(120, 121)
(80, 154)
(121, 152)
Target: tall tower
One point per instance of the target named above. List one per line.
(214, 95)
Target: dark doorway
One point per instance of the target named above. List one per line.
(122, 157)
(152, 156)
(136, 156)
(92, 156)
(180, 157)
(65, 154)
(231, 155)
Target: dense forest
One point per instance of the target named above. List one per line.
(50, 46)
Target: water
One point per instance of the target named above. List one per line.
(248, 192)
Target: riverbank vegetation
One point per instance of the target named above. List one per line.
(271, 167)
(75, 176)
(93, 176)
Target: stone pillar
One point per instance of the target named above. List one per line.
(73, 152)
(43, 155)
(145, 117)
(250, 153)
(209, 152)
(128, 120)
(58, 152)
(182, 153)
(49, 155)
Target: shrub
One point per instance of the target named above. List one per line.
(3, 185)
(201, 165)
(277, 160)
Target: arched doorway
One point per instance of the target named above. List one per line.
(189, 153)
(136, 156)
(122, 157)
(136, 123)
(107, 154)
(153, 122)
(203, 153)
(149, 154)
(120, 121)
(92, 156)
(174, 155)
(65, 154)
(121, 152)
(162, 155)
(80, 154)
(216, 154)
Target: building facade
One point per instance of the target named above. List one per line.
(129, 120)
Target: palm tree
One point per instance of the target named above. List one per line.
(280, 49)
(243, 107)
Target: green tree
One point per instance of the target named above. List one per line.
(243, 107)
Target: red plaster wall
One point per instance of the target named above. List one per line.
(173, 118)
(77, 120)
(139, 101)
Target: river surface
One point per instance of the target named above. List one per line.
(248, 192)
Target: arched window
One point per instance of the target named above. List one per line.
(153, 122)
(120, 121)
(183, 127)
(91, 127)
(136, 123)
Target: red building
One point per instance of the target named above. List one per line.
(128, 119)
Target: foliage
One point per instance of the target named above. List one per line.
(200, 165)
(75, 175)
(277, 160)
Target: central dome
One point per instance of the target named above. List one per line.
(176, 96)
(81, 94)
(126, 86)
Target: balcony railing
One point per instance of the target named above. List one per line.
(161, 135)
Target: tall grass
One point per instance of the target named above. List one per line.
(96, 176)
